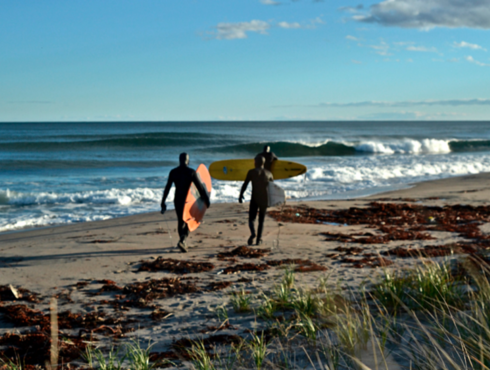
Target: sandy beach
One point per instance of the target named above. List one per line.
(98, 266)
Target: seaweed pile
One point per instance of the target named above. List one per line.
(432, 250)
(176, 266)
(9, 293)
(300, 265)
(244, 267)
(35, 348)
(396, 221)
(244, 252)
(372, 260)
(142, 294)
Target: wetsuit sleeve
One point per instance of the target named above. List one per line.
(245, 184)
(200, 188)
(170, 181)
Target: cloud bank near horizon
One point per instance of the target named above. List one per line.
(407, 103)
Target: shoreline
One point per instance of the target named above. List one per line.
(350, 195)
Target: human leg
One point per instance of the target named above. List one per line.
(252, 215)
(182, 228)
(262, 213)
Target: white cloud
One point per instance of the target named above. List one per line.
(289, 25)
(470, 59)
(270, 2)
(421, 49)
(356, 61)
(381, 49)
(240, 30)
(409, 116)
(407, 103)
(464, 44)
(427, 14)
(230, 31)
(349, 37)
(351, 9)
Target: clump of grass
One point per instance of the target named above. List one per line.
(282, 295)
(258, 348)
(305, 303)
(129, 356)
(353, 328)
(427, 287)
(200, 357)
(436, 285)
(289, 277)
(268, 308)
(139, 358)
(231, 358)
(306, 326)
(8, 364)
(113, 360)
(393, 288)
(241, 301)
(222, 314)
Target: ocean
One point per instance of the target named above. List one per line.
(61, 173)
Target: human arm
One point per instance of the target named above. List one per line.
(244, 187)
(166, 191)
(201, 189)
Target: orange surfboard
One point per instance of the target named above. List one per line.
(195, 208)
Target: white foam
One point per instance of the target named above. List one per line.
(111, 196)
(407, 146)
(325, 179)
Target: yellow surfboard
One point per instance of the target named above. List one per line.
(237, 169)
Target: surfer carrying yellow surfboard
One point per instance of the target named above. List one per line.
(260, 178)
(269, 157)
(182, 176)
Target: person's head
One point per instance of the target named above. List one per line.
(184, 159)
(267, 149)
(259, 161)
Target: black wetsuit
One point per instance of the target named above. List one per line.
(260, 178)
(182, 177)
(269, 157)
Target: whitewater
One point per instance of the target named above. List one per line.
(59, 173)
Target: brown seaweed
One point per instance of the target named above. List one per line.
(245, 252)
(395, 221)
(176, 266)
(245, 267)
(301, 265)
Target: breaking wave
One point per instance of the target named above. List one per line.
(332, 148)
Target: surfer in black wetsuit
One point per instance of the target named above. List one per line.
(260, 178)
(182, 177)
(269, 157)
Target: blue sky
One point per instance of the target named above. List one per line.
(166, 60)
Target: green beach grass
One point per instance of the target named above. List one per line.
(428, 318)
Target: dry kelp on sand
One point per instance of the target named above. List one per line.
(176, 266)
(244, 252)
(10, 293)
(395, 221)
(301, 265)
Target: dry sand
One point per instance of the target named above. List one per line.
(51, 261)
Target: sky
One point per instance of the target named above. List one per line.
(209, 60)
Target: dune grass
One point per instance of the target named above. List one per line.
(430, 318)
